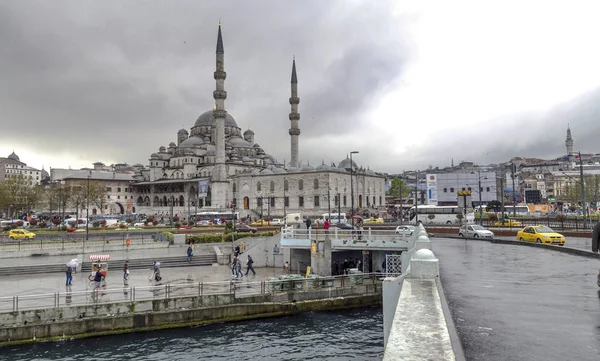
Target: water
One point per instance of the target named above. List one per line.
(341, 335)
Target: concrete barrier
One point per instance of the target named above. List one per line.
(70, 251)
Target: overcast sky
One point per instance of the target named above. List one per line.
(407, 84)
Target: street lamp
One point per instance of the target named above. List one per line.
(284, 198)
(480, 202)
(87, 208)
(583, 205)
(352, 185)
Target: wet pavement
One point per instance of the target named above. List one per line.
(570, 242)
(521, 303)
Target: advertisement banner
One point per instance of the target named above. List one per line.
(203, 188)
(432, 189)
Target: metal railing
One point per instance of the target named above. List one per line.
(365, 234)
(103, 295)
(74, 241)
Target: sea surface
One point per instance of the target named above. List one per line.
(341, 335)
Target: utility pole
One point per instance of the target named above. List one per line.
(502, 193)
(480, 205)
(339, 202)
(583, 205)
(513, 170)
(417, 198)
(87, 209)
(352, 186)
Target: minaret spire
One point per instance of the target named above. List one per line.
(294, 116)
(569, 141)
(219, 181)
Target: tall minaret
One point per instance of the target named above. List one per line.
(219, 181)
(294, 116)
(569, 142)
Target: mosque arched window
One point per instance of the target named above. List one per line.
(316, 185)
(234, 188)
(258, 188)
(300, 185)
(285, 185)
(272, 186)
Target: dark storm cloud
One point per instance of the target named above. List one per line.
(113, 81)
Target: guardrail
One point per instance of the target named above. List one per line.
(102, 295)
(365, 234)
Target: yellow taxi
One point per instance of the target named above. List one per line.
(20, 234)
(373, 221)
(540, 234)
(260, 222)
(507, 223)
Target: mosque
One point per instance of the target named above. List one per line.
(216, 167)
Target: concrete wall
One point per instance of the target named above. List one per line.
(78, 250)
(101, 319)
(261, 249)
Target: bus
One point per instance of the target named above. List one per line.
(335, 217)
(211, 216)
(430, 214)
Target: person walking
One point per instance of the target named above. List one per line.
(233, 265)
(326, 226)
(126, 270)
(307, 223)
(596, 238)
(249, 263)
(156, 269)
(238, 269)
(190, 253)
(69, 273)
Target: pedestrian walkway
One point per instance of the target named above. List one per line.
(151, 253)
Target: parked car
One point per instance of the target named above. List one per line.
(203, 223)
(139, 224)
(259, 223)
(20, 234)
(405, 230)
(276, 222)
(540, 234)
(245, 228)
(475, 231)
(507, 223)
(373, 221)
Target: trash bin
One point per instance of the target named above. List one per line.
(356, 277)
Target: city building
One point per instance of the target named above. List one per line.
(12, 166)
(442, 188)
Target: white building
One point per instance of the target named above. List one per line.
(12, 166)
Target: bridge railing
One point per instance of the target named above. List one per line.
(103, 295)
(364, 234)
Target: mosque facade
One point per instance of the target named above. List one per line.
(215, 166)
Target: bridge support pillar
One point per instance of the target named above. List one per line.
(320, 258)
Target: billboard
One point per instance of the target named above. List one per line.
(432, 189)
(203, 188)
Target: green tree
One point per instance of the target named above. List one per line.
(398, 189)
(19, 194)
(494, 206)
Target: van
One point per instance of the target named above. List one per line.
(334, 218)
(80, 223)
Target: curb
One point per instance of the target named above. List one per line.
(562, 249)
(457, 346)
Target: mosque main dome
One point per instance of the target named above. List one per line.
(207, 118)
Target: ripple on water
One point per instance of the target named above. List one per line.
(345, 335)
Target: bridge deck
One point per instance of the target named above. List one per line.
(521, 303)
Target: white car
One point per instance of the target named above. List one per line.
(276, 222)
(475, 231)
(139, 224)
(405, 230)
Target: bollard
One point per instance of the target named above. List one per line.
(201, 288)
(131, 294)
(15, 302)
(166, 291)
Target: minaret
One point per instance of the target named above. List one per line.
(219, 183)
(569, 142)
(294, 116)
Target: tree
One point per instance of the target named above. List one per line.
(494, 206)
(398, 189)
(20, 194)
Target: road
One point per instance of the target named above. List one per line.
(521, 303)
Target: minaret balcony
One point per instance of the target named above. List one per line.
(294, 116)
(220, 94)
(294, 131)
(219, 113)
(220, 74)
(294, 100)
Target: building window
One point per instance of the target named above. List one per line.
(301, 201)
(119, 189)
(258, 187)
(379, 200)
(285, 185)
(344, 201)
(119, 197)
(451, 190)
(259, 202)
(316, 184)
(445, 190)
(272, 186)
(272, 201)
(373, 200)
(336, 200)
(316, 201)
(234, 203)
(480, 189)
(487, 189)
(300, 185)
(234, 188)
(286, 201)
(108, 189)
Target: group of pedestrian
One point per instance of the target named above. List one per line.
(236, 267)
(343, 268)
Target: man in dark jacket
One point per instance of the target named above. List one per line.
(596, 237)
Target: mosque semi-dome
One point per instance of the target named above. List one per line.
(238, 142)
(207, 118)
(182, 131)
(191, 142)
(345, 164)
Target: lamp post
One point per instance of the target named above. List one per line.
(417, 198)
(480, 205)
(284, 197)
(513, 170)
(352, 186)
(583, 205)
(87, 208)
